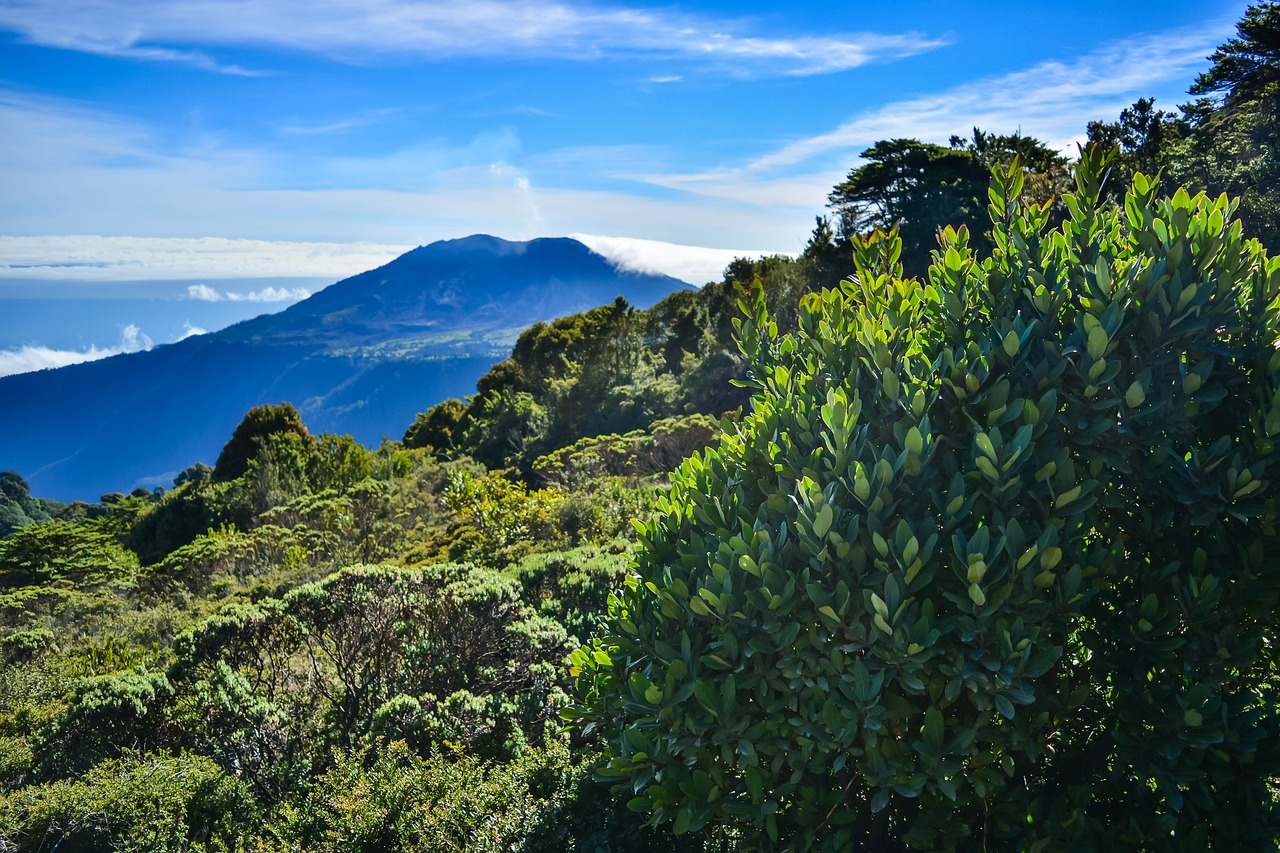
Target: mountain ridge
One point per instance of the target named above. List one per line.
(363, 356)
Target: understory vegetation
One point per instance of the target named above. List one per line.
(956, 532)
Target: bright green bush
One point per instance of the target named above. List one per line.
(991, 563)
(496, 520)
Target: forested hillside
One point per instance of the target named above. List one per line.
(955, 532)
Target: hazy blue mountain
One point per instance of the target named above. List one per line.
(362, 356)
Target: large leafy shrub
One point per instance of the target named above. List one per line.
(990, 564)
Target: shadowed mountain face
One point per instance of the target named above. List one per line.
(361, 356)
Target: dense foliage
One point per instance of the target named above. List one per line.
(991, 560)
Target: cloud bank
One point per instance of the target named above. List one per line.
(355, 30)
(99, 258)
(28, 358)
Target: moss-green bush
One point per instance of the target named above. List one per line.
(991, 563)
(390, 800)
(134, 804)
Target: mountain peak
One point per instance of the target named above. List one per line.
(479, 283)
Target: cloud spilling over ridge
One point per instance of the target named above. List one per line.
(28, 358)
(138, 258)
(205, 293)
(354, 30)
(694, 264)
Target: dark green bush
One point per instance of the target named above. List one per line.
(245, 443)
(438, 428)
(108, 715)
(992, 562)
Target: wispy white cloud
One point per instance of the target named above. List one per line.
(354, 30)
(190, 331)
(1052, 101)
(362, 119)
(28, 358)
(98, 258)
(694, 264)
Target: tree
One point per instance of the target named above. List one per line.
(991, 561)
(1235, 144)
(1247, 68)
(1046, 173)
(920, 187)
(916, 186)
(246, 442)
(437, 428)
(17, 507)
(339, 463)
(1227, 140)
(1143, 135)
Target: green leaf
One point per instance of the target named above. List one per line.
(1011, 344)
(822, 523)
(1135, 396)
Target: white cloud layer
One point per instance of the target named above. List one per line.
(99, 258)
(694, 264)
(352, 30)
(28, 358)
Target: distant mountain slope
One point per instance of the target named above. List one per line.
(362, 356)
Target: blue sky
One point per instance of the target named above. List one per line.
(265, 138)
